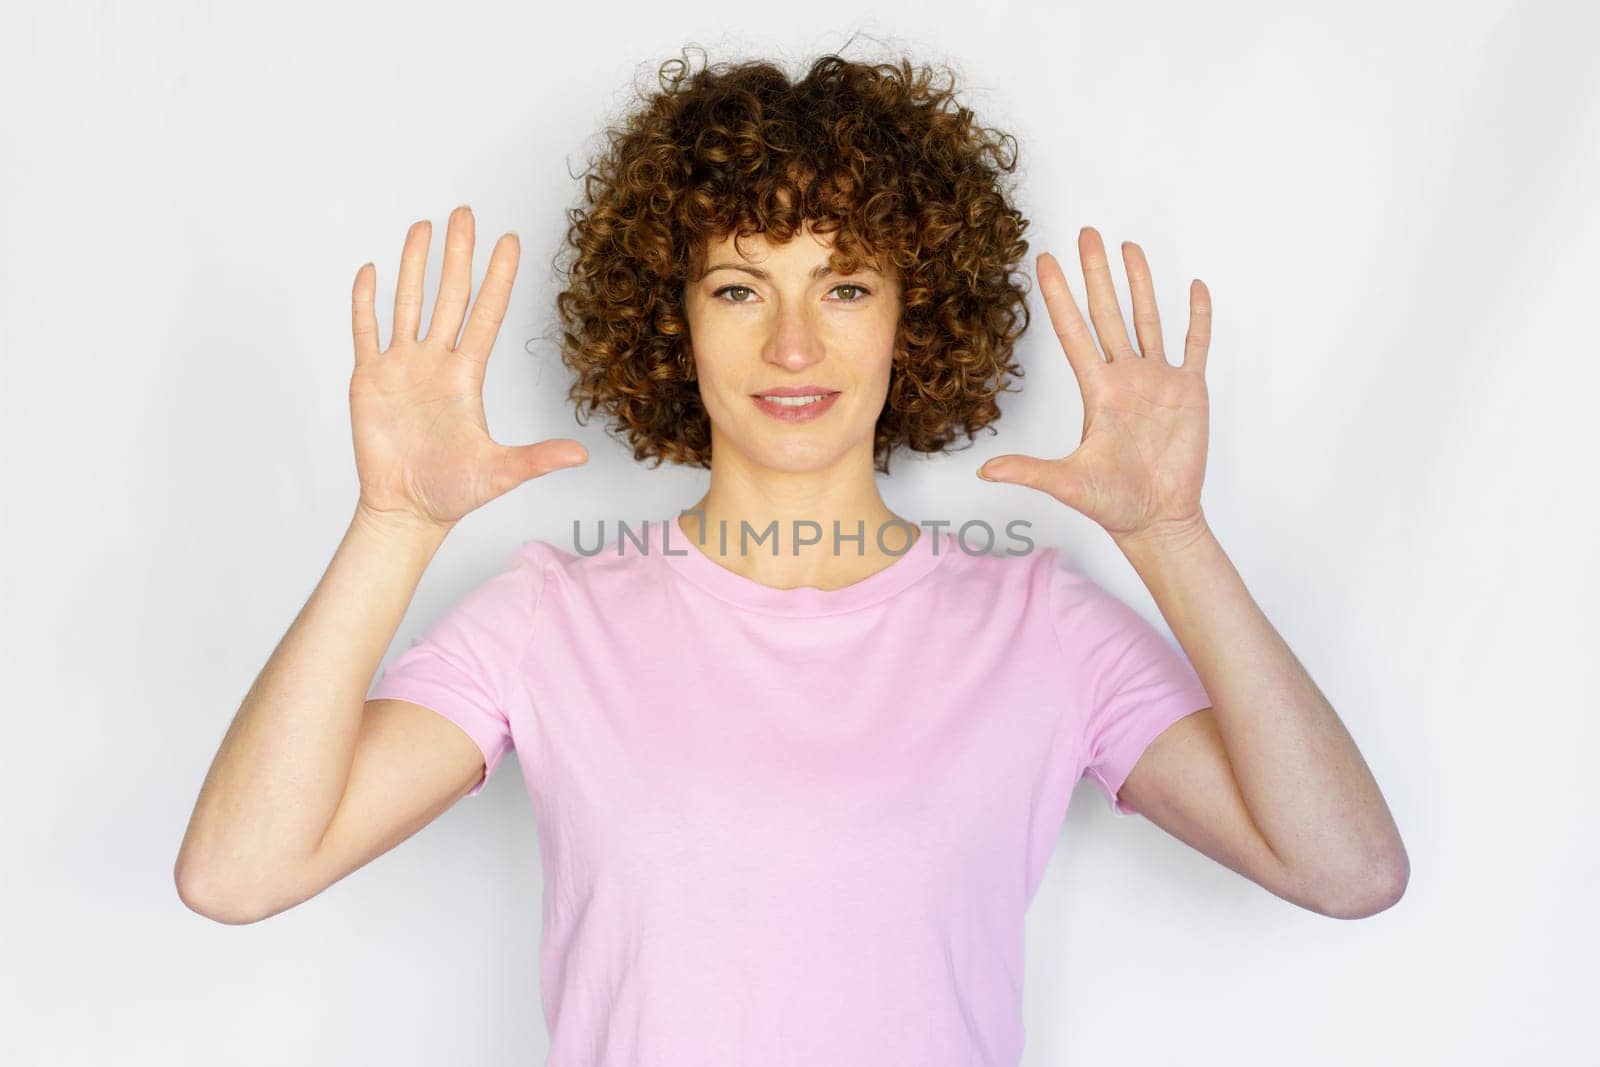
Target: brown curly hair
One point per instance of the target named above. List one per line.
(877, 155)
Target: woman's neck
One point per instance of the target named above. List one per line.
(786, 540)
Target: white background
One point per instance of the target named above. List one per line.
(1393, 206)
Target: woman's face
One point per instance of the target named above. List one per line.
(775, 318)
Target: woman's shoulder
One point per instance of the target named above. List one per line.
(1048, 578)
(612, 554)
(542, 554)
(1002, 569)
(999, 555)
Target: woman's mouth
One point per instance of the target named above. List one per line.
(796, 408)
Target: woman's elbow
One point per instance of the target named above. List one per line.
(1378, 889)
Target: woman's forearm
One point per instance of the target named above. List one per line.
(1301, 775)
(282, 766)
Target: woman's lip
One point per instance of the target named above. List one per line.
(797, 413)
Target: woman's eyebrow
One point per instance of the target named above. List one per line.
(819, 271)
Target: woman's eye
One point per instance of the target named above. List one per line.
(858, 293)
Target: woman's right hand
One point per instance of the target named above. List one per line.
(423, 451)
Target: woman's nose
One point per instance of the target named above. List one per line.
(794, 342)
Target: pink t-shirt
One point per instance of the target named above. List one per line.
(793, 826)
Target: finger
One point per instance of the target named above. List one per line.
(1146, 321)
(363, 318)
(1103, 307)
(1070, 328)
(408, 286)
(1062, 479)
(455, 279)
(516, 464)
(1198, 344)
(1017, 470)
(494, 296)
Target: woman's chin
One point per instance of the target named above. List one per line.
(795, 456)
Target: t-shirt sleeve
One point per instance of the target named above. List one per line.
(1130, 680)
(464, 666)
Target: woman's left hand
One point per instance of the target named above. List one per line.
(1138, 469)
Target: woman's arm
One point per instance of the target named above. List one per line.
(1266, 781)
(1276, 782)
(281, 770)
(308, 783)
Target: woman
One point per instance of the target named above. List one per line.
(794, 793)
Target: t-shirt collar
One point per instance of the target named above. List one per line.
(686, 559)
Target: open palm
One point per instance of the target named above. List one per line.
(423, 450)
(1138, 469)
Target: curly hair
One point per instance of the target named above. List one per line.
(877, 155)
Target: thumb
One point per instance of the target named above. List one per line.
(1063, 479)
(1017, 470)
(516, 464)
